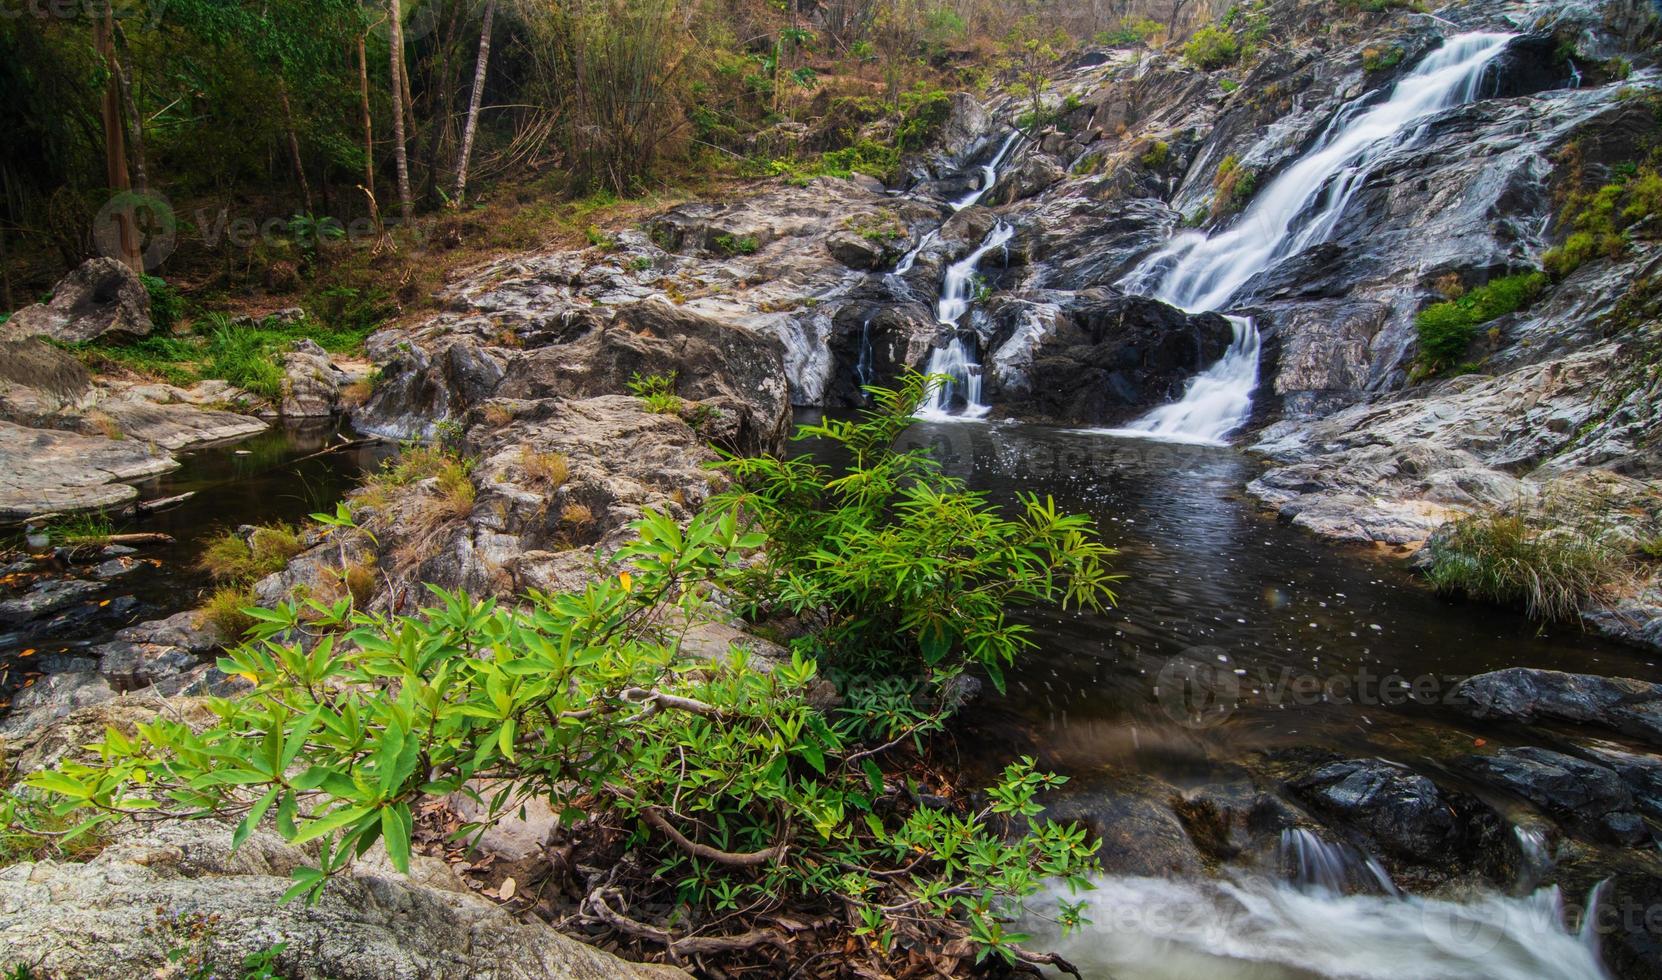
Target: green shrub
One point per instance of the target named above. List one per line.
(1446, 329)
(719, 780)
(1158, 153)
(1233, 186)
(1554, 569)
(166, 305)
(909, 572)
(1211, 48)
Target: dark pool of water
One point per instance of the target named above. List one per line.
(1231, 631)
(282, 474)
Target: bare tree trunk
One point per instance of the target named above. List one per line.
(294, 145)
(369, 133)
(473, 103)
(395, 44)
(135, 122)
(115, 143)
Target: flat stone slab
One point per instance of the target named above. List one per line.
(45, 471)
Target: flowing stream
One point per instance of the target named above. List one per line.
(1210, 575)
(1300, 208)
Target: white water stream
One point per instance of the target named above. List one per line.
(1300, 208)
(956, 359)
(1259, 929)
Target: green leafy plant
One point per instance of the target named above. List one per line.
(730, 245)
(656, 392)
(166, 305)
(725, 785)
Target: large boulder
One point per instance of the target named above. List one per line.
(437, 373)
(101, 297)
(1526, 695)
(39, 381)
(179, 884)
(1104, 359)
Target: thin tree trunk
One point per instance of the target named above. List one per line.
(135, 122)
(473, 103)
(395, 38)
(294, 145)
(369, 133)
(115, 144)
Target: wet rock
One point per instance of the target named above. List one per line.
(1526, 695)
(92, 919)
(856, 252)
(43, 471)
(1587, 798)
(1641, 772)
(1402, 811)
(1138, 833)
(47, 596)
(100, 297)
(53, 696)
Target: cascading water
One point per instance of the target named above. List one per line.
(1300, 208)
(1252, 928)
(863, 366)
(1313, 863)
(1216, 401)
(955, 359)
(989, 174)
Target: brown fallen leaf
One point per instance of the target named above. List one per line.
(507, 890)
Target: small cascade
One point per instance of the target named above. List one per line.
(1216, 402)
(1535, 859)
(956, 359)
(1589, 933)
(989, 174)
(957, 286)
(1314, 863)
(1300, 208)
(1251, 928)
(1575, 73)
(863, 366)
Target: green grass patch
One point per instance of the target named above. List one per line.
(1211, 48)
(1552, 569)
(1446, 329)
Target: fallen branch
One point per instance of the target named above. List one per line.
(1046, 959)
(138, 537)
(742, 859)
(685, 946)
(151, 506)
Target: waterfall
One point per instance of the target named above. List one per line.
(1300, 208)
(957, 287)
(989, 174)
(955, 359)
(1303, 205)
